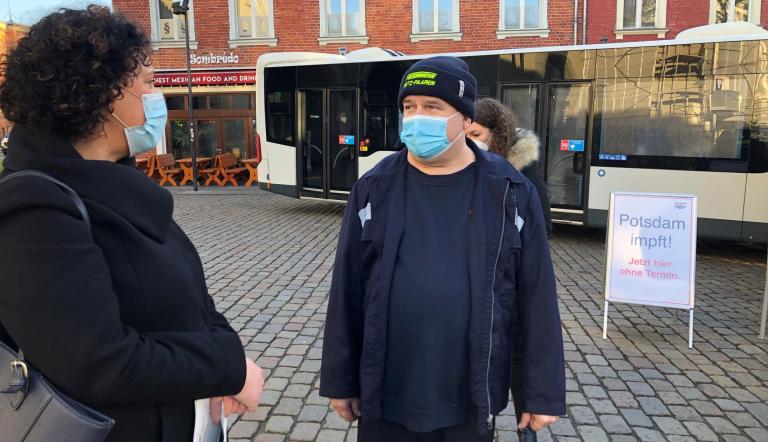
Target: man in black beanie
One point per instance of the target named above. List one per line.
(442, 255)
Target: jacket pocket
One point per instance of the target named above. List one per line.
(371, 246)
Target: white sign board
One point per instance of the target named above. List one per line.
(651, 252)
(651, 249)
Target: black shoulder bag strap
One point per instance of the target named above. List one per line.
(19, 381)
(78, 202)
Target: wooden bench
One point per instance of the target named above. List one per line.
(252, 164)
(166, 167)
(225, 171)
(211, 173)
(146, 163)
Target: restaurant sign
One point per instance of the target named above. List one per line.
(211, 58)
(205, 78)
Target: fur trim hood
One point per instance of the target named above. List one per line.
(525, 151)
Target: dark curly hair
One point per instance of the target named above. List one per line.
(62, 77)
(494, 116)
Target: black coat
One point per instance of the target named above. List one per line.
(120, 318)
(533, 173)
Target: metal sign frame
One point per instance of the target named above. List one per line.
(764, 316)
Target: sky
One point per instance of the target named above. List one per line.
(30, 11)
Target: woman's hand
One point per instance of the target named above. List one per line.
(231, 405)
(254, 384)
(245, 401)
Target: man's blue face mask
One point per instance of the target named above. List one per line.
(426, 137)
(146, 137)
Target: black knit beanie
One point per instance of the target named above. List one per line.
(443, 77)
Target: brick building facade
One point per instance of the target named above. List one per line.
(10, 34)
(636, 20)
(227, 36)
(298, 25)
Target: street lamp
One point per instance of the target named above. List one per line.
(182, 8)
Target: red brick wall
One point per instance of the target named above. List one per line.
(681, 15)
(11, 34)
(388, 25)
(764, 13)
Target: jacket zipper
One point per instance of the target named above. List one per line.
(493, 301)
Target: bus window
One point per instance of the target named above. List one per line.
(523, 101)
(280, 101)
(381, 128)
(394, 127)
(381, 83)
(280, 117)
(374, 129)
(674, 116)
(380, 120)
(485, 70)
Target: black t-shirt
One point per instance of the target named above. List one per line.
(426, 385)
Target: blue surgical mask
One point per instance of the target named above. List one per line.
(144, 138)
(426, 137)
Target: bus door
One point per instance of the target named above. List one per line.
(564, 149)
(559, 114)
(328, 136)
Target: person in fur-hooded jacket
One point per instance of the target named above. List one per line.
(494, 130)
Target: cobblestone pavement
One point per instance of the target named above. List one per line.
(268, 260)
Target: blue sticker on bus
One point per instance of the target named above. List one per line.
(576, 145)
(347, 140)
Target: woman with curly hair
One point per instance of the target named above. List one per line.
(113, 310)
(494, 130)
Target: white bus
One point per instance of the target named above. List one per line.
(684, 116)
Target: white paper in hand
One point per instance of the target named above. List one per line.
(205, 429)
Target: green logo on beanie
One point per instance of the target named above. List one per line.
(420, 78)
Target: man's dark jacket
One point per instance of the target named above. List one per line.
(120, 317)
(512, 288)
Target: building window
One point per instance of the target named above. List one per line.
(223, 124)
(167, 29)
(640, 17)
(251, 22)
(522, 14)
(639, 14)
(723, 11)
(522, 17)
(342, 21)
(433, 19)
(343, 17)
